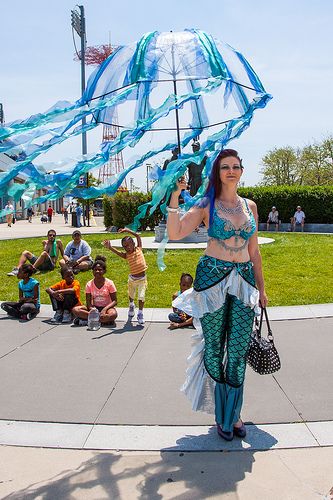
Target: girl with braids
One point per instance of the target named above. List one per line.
(101, 294)
(227, 288)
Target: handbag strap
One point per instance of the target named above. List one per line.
(270, 333)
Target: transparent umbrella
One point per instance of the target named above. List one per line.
(179, 85)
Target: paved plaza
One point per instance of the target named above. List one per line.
(94, 415)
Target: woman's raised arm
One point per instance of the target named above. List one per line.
(179, 227)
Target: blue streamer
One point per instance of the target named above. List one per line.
(134, 75)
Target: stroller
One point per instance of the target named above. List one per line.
(43, 218)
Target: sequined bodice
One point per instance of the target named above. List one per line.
(223, 229)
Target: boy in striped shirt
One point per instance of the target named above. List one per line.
(137, 279)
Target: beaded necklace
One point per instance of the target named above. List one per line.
(238, 209)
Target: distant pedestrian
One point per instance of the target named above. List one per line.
(49, 214)
(30, 213)
(66, 214)
(79, 212)
(9, 213)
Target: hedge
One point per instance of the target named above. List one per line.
(316, 202)
(120, 210)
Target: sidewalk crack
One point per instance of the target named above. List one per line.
(27, 342)
(115, 385)
(297, 411)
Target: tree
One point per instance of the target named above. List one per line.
(315, 166)
(281, 167)
(310, 166)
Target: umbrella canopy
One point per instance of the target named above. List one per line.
(187, 84)
(209, 80)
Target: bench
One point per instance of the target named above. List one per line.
(308, 228)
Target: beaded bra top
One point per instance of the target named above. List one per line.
(223, 229)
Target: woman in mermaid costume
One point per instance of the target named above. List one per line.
(227, 290)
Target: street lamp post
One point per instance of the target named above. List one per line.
(78, 22)
(148, 166)
(2, 116)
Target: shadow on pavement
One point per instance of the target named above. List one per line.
(171, 475)
(205, 441)
(128, 327)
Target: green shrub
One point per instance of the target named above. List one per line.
(121, 209)
(316, 201)
(107, 209)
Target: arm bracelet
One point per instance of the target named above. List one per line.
(173, 210)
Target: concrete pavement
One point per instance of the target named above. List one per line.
(94, 415)
(116, 391)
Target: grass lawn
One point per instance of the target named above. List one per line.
(297, 269)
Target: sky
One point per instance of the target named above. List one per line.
(289, 44)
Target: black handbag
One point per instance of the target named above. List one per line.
(262, 355)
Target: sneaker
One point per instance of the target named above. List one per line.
(131, 310)
(67, 317)
(80, 322)
(57, 318)
(140, 318)
(14, 272)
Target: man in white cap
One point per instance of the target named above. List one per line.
(298, 219)
(77, 254)
(273, 218)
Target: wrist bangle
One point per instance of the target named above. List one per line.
(173, 210)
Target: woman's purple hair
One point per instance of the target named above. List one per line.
(214, 187)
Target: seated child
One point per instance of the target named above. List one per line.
(179, 319)
(28, 305)
(101, 294)
(64, 295)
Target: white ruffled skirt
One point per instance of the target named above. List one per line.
(199, 386)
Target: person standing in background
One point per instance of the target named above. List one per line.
(9, 215)
(66, 215)
(79, 212)
(30, 213)
(49, 214)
